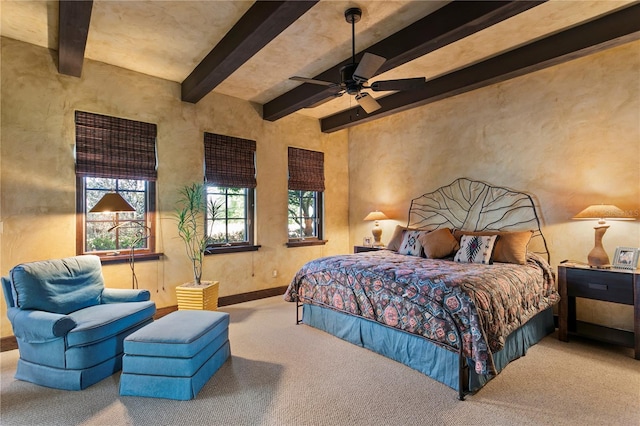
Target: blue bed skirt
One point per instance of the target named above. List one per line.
(420, 354)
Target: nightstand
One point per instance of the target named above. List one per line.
(362, 249)
(612, 285)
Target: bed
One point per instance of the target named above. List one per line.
(462, 290)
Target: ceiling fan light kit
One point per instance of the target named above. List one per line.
(354, 76)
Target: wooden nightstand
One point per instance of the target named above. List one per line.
(612, 285)
(362, 249)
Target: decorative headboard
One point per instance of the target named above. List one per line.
(477, 206)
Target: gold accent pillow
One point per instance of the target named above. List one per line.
(438, 244)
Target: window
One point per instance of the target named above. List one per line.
(306, 187)
(232, 224)
(115, 155)
(304, 218)
(230, 186)
(120, 231)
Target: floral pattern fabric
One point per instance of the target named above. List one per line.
(453, 304)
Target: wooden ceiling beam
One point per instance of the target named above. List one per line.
(446, 25)
(73, 29)
(611, 30)
(257, 27)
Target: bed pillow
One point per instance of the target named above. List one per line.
(411, 243)
(396, 239)
(438, 244)
(475, 249)
(510, 247)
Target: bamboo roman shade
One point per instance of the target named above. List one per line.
(110, 147)
(306, 170)
(229, 161)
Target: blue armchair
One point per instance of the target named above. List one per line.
(68, 326)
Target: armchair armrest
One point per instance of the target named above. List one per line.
(39, 326)
(121, 295)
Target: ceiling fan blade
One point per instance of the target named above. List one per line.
(312, 81)
(325, 100)
(367, 102)
(400, 84)
(367, 67)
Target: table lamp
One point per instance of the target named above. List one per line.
(598, 256)
(376, 231)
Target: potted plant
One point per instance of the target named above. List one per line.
(192, 207)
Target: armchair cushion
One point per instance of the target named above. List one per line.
(96, 323)
(60, 286)
(39, 326)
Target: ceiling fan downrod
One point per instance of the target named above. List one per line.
(353, 15)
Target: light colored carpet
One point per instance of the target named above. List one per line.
(283, 374)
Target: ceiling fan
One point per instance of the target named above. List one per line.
(354, 76)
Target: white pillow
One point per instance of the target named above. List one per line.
(475, 249)
(410, 244)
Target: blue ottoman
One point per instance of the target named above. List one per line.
(176, 355)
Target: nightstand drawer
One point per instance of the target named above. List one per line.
(600, 285)
(363, 249)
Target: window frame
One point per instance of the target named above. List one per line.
(232, 247)
(124, 255)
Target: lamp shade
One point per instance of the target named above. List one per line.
(376, 215)
(112, 202)
(603, 212)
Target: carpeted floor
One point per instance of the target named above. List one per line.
(283, 374)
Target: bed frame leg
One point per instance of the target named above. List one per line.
(461, 377)
(298, 306)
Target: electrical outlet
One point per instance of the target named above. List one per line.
(274, 274)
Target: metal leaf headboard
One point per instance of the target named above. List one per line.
(477, 206)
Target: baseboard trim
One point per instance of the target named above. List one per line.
(252, 295)
(9, 343)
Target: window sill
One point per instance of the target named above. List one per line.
(305, 243)
(124, 256)
(231, 249)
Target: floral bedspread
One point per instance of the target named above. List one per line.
(450, 303)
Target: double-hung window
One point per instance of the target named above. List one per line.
(230, 176)
(306, 188)
(115, 155)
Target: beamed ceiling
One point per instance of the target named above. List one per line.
(249, 50)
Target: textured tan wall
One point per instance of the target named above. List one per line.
(569, 135)
(37, 203)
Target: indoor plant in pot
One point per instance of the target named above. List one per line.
(190, 214)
